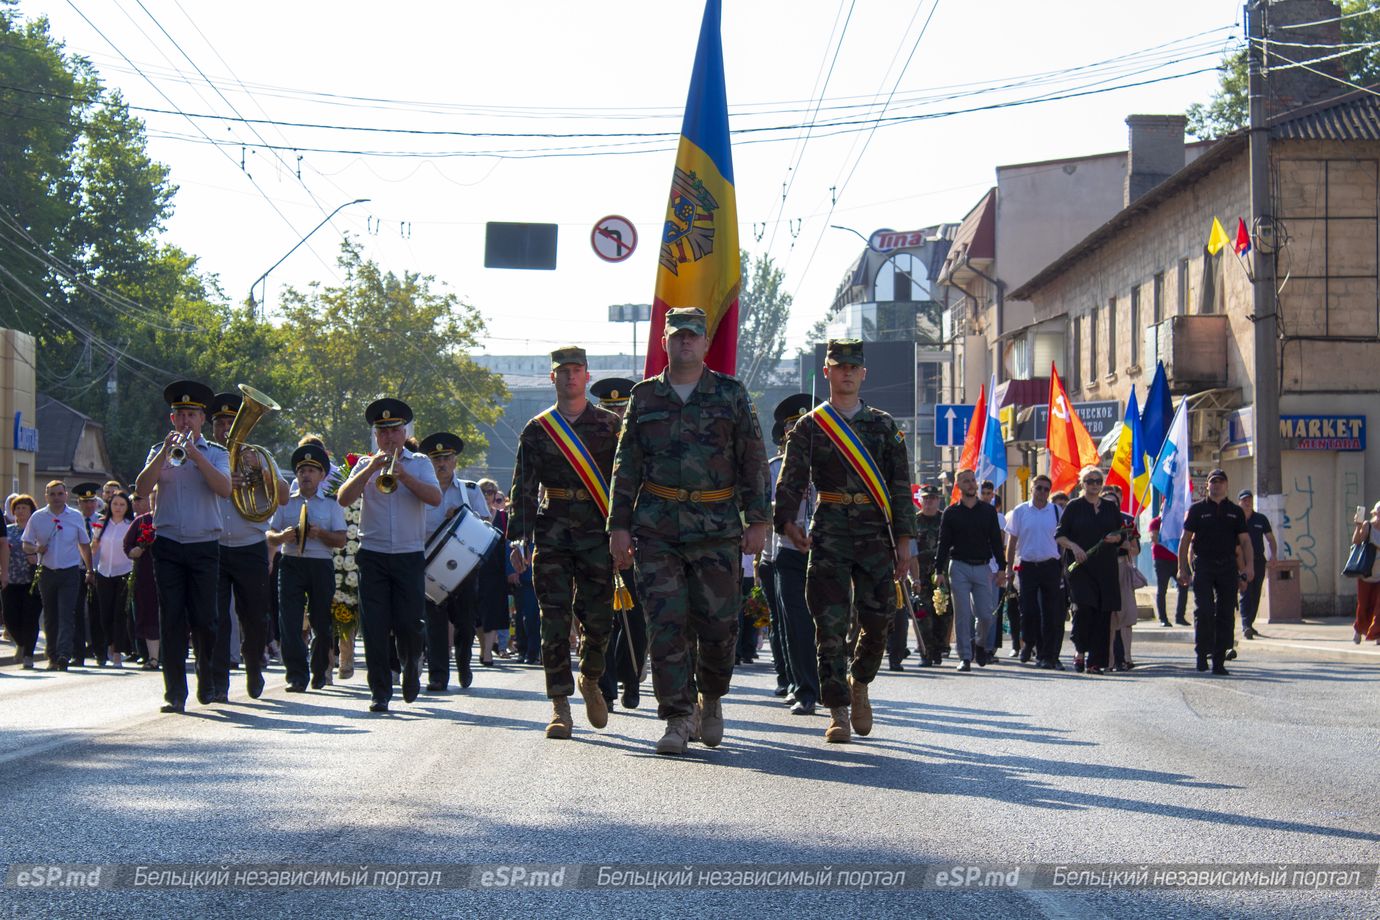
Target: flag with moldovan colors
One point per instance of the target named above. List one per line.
(698, 264)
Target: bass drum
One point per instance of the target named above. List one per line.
(454, 550)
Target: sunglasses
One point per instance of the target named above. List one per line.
(1042, 488)
(1093, 482)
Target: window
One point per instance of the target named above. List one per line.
(903, 278)
(1157, 298)
(1076, 365)
(1092, 346)
(1182, 308)
(1212, 275)
(1111, 335)
(1134, 328)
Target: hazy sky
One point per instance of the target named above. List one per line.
(543, 67)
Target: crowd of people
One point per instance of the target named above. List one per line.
(642, 534)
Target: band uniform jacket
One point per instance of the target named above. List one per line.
(567, 516)
(710, 442)
(812, 456)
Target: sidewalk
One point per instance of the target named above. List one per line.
(1328, 637)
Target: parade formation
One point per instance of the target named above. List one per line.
(635, 516)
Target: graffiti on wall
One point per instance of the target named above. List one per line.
(1296, 531)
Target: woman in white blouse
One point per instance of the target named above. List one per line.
(112, 575)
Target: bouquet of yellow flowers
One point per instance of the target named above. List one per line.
(755, 608)
(941, 601)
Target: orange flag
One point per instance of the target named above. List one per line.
(1070, 446)
(972, 441)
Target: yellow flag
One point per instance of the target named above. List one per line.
(1217, 238)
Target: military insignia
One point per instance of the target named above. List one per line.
(688, 235)
(186, 398)
(387, 413)
(756, 426)
(900, 436)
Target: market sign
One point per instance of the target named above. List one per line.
(1322, 432)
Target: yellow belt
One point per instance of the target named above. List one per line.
(688, 495)
(845, 498)
(570, 495)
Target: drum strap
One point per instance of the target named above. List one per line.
(577, 455)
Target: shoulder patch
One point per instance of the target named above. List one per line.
(756, 426)
(900, 436)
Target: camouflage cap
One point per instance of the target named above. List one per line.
(570, 354)
(844, 351)
(686, 319)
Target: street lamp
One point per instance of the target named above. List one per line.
(631, 313)
(264, 276)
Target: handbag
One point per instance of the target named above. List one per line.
(1138, 579)
(1361, 560)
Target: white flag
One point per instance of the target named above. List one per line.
(1171, 478)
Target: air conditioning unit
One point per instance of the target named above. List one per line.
(1205, 427)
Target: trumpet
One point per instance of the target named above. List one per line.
(388, 476)
(177, 454)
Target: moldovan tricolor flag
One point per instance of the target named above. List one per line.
(1070, 446)
(698, 266)
(1128, 461)
(972, 441)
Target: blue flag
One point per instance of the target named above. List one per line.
(1154, 419)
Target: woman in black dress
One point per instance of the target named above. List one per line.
(1094, 587)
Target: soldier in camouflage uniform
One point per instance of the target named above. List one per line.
(691, 467)
(854, 554)
(934, 627)
(572, 573)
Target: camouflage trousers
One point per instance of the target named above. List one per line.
(848, 573)
(934, 629)
(573, 584)
(692, 594)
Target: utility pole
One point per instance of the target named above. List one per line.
(1269, 477)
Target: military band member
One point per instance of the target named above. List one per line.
(560, 504)
(244, 556)
(57, 535)
(452, 617)
(306, 575)
(392, 567)
(797, 627)
(186, 549)
(934, 626)
(626, 660)
(860, 538)
(89, 635)
(690, 469)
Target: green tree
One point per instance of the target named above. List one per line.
(764, 307)
(381, 334)
(1228, 109)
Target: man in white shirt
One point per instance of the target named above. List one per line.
(57, 535)
(1032, 526)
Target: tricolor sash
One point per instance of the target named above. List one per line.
(577, 455)
(833, 424)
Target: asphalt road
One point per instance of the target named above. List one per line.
(1275, 764)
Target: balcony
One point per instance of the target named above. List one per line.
(1193, 349)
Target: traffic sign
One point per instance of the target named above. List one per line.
(614, 238)
(951, 424)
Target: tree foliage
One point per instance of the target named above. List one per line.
(764, 308)
(1228, 109)
(382, 334)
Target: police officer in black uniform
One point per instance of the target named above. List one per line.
(1215, 530)
(186, 550)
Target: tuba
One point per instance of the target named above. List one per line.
(256, 497)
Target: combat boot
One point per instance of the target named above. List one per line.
(711, 720)
(677, 736)
(693, 723)
(596, 709)
(838, 731)
(862, 708)
(561, 723)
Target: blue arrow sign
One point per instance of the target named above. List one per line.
(951, 424)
